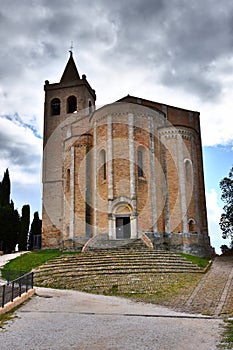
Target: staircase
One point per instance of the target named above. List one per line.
(93, 268)
(103, 243)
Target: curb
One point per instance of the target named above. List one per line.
(17, 301)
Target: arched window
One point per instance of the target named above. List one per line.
(68, 180)
(103, 164)
(140, 156)
(192, 225)
(71, 104)
(188, 170)
(90, 107)
(55, 106)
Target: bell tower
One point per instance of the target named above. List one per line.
(63, 101)
(71, 94)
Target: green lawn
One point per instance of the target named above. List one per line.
(227, 341)
(28, 261)
(201, 262)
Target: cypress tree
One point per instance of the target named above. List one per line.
(35, 229)
(9, 232)
(5, 190)
(24, 227)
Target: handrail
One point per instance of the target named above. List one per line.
(15, 288)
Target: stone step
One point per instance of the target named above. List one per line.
(76, 265)
(103, 243)
(86, 266)
(110, 261)
(117, 258)
(119, 254)
(126, 267)
(102, 272)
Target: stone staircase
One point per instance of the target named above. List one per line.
(103, 243)
(70, 270)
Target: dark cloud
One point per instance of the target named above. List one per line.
(176, 36)
(18, 151)
(178, 43)
(163, 35)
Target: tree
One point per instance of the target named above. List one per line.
(226, 220)
(9, 217)
(35, 230)
(5, 190)
(224, 248)
(9, 228)
(24, 227)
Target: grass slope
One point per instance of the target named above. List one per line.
(29, 261)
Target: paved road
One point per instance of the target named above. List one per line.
(64, 320)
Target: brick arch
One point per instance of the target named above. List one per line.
(192, 225)
(122, 201)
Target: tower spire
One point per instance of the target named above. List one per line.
(70, 73)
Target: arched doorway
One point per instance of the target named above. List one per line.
(122, 219)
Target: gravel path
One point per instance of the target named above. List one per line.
(58, 319)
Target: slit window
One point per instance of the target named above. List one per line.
(90, 107)
(140, 163)
(188, 170)
(103, 169)
(68, 180)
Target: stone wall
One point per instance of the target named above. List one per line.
(189, 243)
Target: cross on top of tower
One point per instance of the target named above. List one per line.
(71, 47)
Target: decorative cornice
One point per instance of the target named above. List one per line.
(173, 134)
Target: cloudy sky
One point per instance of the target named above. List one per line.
(179, 52)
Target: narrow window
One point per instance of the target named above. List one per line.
(140, 163)
(68, 180)
(188, 170)
(103, 164)
(90, 107)
(71, 104)
(192, 226)
(55, 106)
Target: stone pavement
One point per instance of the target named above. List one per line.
(68, 319)
(214, 294)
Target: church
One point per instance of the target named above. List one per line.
(129, 170)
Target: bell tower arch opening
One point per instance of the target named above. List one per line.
(71, 104)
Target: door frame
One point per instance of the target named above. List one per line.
(123, 216)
